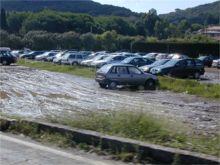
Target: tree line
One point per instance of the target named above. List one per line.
(109, 40)
(147, 25)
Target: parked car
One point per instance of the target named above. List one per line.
(88, 61)
(57, 58)
(207, 60)
(151, 56)
(147, 68)
(6, 58)
(177, 56)
(108, 60)
(180, 68)
(137, 61)
(216, 63)
(72, 59)
(32, 54)
(111, 75)
(44, 56)
(161, 56)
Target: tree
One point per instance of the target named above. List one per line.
(150, 20)
(4, 25)
(161, 29)
(109, 40)
(15, 21)
(4, 38)
(88, 41)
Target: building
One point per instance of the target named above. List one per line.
(213, 31)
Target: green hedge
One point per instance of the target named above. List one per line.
(190, 49)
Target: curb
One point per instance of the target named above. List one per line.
(158, 153)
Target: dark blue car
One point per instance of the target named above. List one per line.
(137, 61)
(147, 68)
(181, 68)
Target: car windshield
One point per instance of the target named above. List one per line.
(105, 68)
(108, 58)
(6, 53)
(160, 62)
(100, 57)
(127, 60)
(202, 57)
(171, 62)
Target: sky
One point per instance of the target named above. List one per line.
(162, 6)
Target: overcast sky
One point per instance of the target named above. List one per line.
(162, 6)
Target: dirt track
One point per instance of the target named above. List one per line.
(34, 93)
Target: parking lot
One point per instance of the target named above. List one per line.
(35, 94)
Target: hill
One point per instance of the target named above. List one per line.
(203, 14)
(76, 6)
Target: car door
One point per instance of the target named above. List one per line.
(190, 67)
(136, 76)
(179, 69)
(71, 58)
(120, 75)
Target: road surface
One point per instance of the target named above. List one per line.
(15, 150)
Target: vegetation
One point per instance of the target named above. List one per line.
(140, 126)
(74, 70)
(190, 87)
(76, 6)
(204, 14)
(166, 83)
(143, 127)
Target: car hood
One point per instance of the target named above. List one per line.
(163, 67)
(151, 76)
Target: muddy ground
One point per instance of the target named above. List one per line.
(34, 93)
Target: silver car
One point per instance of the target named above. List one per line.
(111, 75)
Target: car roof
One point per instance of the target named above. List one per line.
(119, 64)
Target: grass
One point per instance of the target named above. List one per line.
(66, 141)
(74, 70)
(140, 126)
(166, 83)
(190, 87)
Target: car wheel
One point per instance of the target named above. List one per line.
(102, 85)
(112, 85)
(197, 75)
(5, 62)
(150, 85)
(74, 64)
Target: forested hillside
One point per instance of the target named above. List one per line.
(203, 14)
(76, 6)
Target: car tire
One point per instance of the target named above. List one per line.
(74, 63)
(102, 85)
(112, 85)
(150, 85)
(5, 62)
(197, 75)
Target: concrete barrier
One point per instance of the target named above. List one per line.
(146, 151)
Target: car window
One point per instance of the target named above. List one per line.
(5, 53)
(133, 70)
(79, 57)
(181, 63)
(199, 63)
(114, 70)
(72, 56)
(190, 63)
(118, 58)
(121, 70)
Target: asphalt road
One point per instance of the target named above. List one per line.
(15, 150)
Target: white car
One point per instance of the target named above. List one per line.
(216, 63)
(72, 58)
(88, 62)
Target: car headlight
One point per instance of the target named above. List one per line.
(146, 69)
